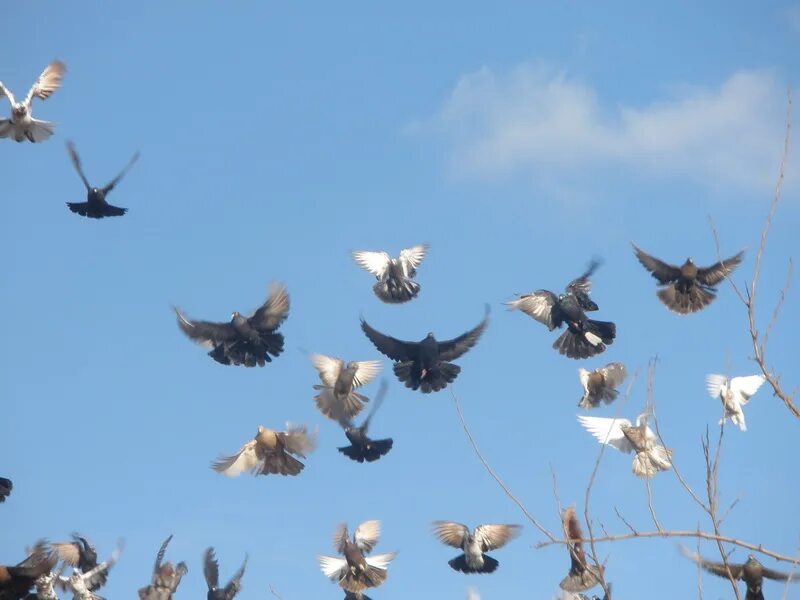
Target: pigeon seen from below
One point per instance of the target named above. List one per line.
(337, 398)
(425, 365)
(245, 340)
(395, 275)
(82, 584)
(362, 447)
(651, 457)
(582, 576)
(269, 452)
(357, 571)
(688, 288)
(483, 538)
(211, 574)
(6, 485)
(17, 580)
(734, 394)
(166, 577)
(584, 337)
(96, 206)
(21, 125)
(82, 554)
(600, 385)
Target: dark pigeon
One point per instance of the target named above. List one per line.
(362, 447)
(5, 489)
(96, 206)
(211, 573)
(17, 580)
(582, 576)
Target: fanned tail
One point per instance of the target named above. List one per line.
(370, 452)
(690, 301)
(459, 563)
(435, 379)
(396, 290)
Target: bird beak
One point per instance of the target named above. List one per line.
(424, 373)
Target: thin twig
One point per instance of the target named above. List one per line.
(274, 593)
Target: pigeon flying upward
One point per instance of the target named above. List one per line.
(734, 394)
(395, 275)
(600, 384)
(269, 452)
(582, 576)
(751, 572)
(687, 288)
(96, 206)
(166, 577)
(425, 365)
(362, 447)
(484, 538)
(337, 398)
(5, 489)
(357, 571)
(247, 341)
(82, 584)
(82, 554)
(17, 580)
(584, 337)
(651, 457)
(22, 126)
(211, 573)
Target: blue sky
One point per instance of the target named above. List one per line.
(518, 141)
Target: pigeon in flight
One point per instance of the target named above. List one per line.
(82, 554)
(483, 538)
(395, 275)
(651, 457)
(6, 486)
(584, 337)
(269, 452)
(751, 572)
(734, 394)
(688, 288)
(247, 341)
(166, 577)
(600, 384)
(211, 573)
(425, 365)
(17, 580)
(362, 447)
(82, 584)
(357, 571)
(96, 206)
(22, 125)
(337, 398)
(582, 576)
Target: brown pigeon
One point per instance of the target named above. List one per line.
(269, 452)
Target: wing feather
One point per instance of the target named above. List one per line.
(395, 349)
(714, 384)
(328, 367)
(367, 534)
(332, 566)
(450, 533)
(206, 333)
(614, 374)
(663, 272)
(414, 255)
(746, 387)
(374, 262)
(274, 311)
(452, 349)
(539, 305)
(367, 371)
(211, 569)
(246, 459)
(496, 536)
(607, 431)
(720, 270)
(297, 440)
(48, 82)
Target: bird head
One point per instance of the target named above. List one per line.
(234, 315)
(19, 109)
(430, 335)
(751, 558)
(689, 261)
(95, 190)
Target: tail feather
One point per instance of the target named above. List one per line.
(96, 211)
(435, 379)
(39, 131)
(396, 290)
(690, 301)
(459, 563)
(370, 452)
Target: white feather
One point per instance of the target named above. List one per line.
(380, 561)
(332, 566)
(607, 431)
(374, 262)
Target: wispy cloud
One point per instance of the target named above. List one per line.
(537, 120)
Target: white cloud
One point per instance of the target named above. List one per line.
(532, 119)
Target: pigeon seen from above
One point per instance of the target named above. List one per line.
(584, 337)
(734, 394)
(21, 125)
(362, 447)
(600, 385)
(688, 288)
(17, 580)
(6, 485)
(166, 577)
(483, 538)
(582, 576)
(270, 452)
(211, 574)
(357, 571)
(395, 275)
(82, 584)
(245, 340)
(425, 365)
(651, 457)
(96, 206)
(337, 398)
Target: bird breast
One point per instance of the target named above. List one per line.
(267, 438)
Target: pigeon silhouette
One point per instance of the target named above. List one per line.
(362, 447)
(483, 538)
(82, 554)
(584, 337)
(6, 485)
(337, 398)
(17, 580)
(357, 571)
(688, 288)
(600, 385)
(269, 452)
(425, 365)
(166, 577)
(96, 206)
(82, 584)
(211, 574)
(734, 394)
(22, 126)
(395, 275)
(582, 576)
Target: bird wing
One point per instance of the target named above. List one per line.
(450, 533)
(374, 262)
(380, 561)
(538, 304)
(206, 333)
(297, 440)
(340, 537)
(110, 185)
(607, 431)
(452, 349)
(332, 566)
(718, 271)
(492, 537)
(746, 387)
(614, 374)
(583, 375)
(582, 283)
(328, 367)
(161, 552)
(274, 311)
(715, 568)
(663, 272)
(246, 459)
(4, 91)
(367, 371)
(76, 162)
(777, 575)
(68, 552)
(414, 255)
(235, 583)
(376, 402)
(48, 82)
(367, 534)
(714, 384)
(391, 347)
(97, 576)
(210, 569)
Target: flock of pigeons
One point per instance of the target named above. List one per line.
(426, 365)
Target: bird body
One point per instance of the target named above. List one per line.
(17, 580)
(395, 275)
(83, 584)
(166, 577)
(82, 554)
(752, 572)
(474, 544)
(582, 576)
(21, 125)
(44, 585)
(96, 206)
(734, 394)
(600, 385)
(338, 399)
(357, 571)
(362, 447)
(211, 574)
(269, 452)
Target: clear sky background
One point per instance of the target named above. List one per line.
(519, 141)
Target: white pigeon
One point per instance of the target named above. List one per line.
(22, 125)
(395, 275)
(651, 457)
(734, 394)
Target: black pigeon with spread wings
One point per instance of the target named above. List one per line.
(96, 206)
(425, 365)
(247, 341)
(211, 573)
(584, 337)
(362, 447)
(688, 288)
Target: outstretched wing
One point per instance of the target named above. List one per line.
(205, 332)
(367, 534)
(715, 568)
(391, 347)
(450, 533)
(492, 537)
(367, 371)
(246, 459)
(110, 185)
(235, 584)
(614, 374)
(718, 271)
(414, 256)
(97, 576)
(76, 162)
(452, 349)
(374, 262)
(582, 283)
(161, 552)
(539, 305)
(210, 569)
(746, 387)
(663, 272)
(297, 440)
(328, 367)
(714, 384)
(48, 82)
(4, 91)
(274, 311)
(607, 431)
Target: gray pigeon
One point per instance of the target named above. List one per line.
(483, 538)
(395, 275)
(337, 398)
